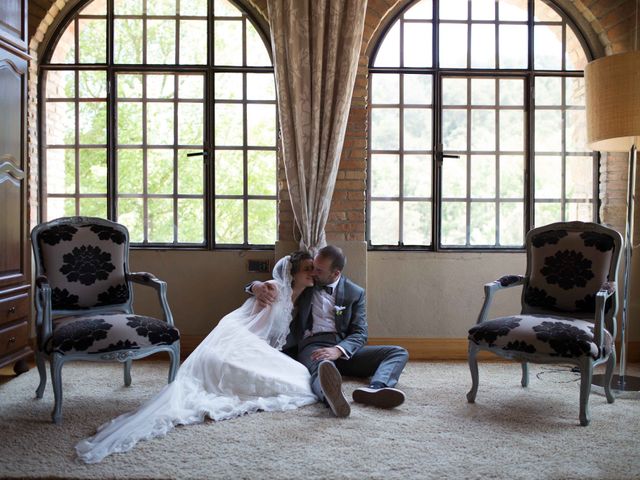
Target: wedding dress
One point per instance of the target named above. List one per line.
(237, 369)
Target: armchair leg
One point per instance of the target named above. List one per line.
(586, 370)
(473, 366)
(608, 375)
(525, 375)
(127, 372)
(56, 381)
(42, 370)
(174, 355)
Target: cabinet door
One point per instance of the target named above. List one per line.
(13, 78)
(13, 22)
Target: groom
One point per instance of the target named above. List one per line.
(328, 335)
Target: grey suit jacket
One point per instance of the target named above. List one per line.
(351, 321)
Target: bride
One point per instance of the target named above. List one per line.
(237, 369)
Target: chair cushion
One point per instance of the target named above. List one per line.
(109, 332)
(543, 335)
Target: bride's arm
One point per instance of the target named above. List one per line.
(270, 287)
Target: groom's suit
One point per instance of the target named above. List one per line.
(383, 363)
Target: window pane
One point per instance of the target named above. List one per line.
(93, 123)
(65, 51)
(131, 214)
(129, 123)
(513, 10)
(417, 223)
(93, 165)
(385, 129)
(388, 54)
(548, 130)
(483, 91)
(190, 174)
(160, 123)
(483, 130)
(579, 173)
(417, 129)
(161, 7)
(130, 171)
(161, 40)
(262, 222)
(228, 125)
(385, 175)
(420, 10)
(227, 42)
(454, 91)
(61, 171)
(160, 86)
(191, 86)
(417, 176)
(260, 86)
(546, 213)
(61, 123)
(262, 173)
(511, 176)
(454, 129)
(548, 91)
(454, 177)
(129, 86)
(575, 58)
(385, 221)
(548, 183)
(257, 54)
(417, 34)
(575, 91)
(92, 84)
(511, 92)
(547, 47)
(512, 130)
(385, 88)
(127, 7)
(483, 9)
(513, 46)
(224, 8)
(193, 41)
(454, 221)
(576, 134)
(483, 176)
(417, 89)
(194, 8)
(191, 221)
(160, 171)
(93, 207)
(228, 86)
(60, 207)
(228, 172)
(483, 224)
(93, 40)
(483, 39)
(453, 9)
(261, 125)
(190, 124)
(579, 211)
(453, 44)
(228, 228)
(511, 224)
(60, 83)
(127, 41)
(160, 220)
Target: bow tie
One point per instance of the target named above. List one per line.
(327, 289)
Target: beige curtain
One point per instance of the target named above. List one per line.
(316, 46)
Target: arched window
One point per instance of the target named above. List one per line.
(161, 114)
(477, 127)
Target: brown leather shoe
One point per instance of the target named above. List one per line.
(331, 385)
(385, 397)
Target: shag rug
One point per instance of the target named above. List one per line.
(510, 432)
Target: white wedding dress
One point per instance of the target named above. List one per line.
(237, 369)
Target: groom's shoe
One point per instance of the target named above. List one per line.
(331, 385)
(381, 397)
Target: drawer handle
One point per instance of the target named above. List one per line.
(12, 309)
(12, 340)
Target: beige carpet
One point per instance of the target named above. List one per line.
(509, 433)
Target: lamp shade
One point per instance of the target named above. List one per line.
(613, 102)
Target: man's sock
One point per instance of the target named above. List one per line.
(377, 385)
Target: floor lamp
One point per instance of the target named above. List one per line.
(613, 125)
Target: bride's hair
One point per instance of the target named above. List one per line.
(296, 259)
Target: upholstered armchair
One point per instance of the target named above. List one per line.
(569, 301)
(84, 301)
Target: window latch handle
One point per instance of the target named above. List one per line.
(197, 154)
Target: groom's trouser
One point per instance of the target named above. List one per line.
(382, 363)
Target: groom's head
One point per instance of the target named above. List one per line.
(328, 264)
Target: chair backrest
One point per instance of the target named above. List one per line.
(567, 263)
(85, 260)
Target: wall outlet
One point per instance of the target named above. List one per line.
(258, 266)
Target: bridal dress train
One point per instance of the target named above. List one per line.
(237, 369)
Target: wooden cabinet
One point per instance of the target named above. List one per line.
(15, 305)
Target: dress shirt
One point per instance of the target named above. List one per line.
(323, 312)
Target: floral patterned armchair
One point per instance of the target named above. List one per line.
(83, 299)
(569, 302)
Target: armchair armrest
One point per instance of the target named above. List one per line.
(607, 290)
(506, 281)
(150, 280)
(44, 322)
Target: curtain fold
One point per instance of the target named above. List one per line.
(316, 47)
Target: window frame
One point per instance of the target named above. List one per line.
(208, 71)
(437, 73)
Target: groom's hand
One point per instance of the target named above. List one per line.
(265, 293)
(328, 353)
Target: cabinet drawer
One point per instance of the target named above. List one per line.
(14, 338)
(14, 308)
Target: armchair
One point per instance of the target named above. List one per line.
(84, 301)
(569, 301)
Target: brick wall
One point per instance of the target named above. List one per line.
(613, 21)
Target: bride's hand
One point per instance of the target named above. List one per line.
(265, 293)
